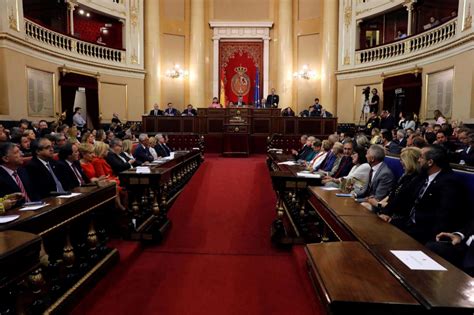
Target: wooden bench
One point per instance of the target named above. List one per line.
(335, 266)
(74, 251)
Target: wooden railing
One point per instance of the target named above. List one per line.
(408, 46)
(72, 45)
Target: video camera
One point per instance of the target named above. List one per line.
(366, 92)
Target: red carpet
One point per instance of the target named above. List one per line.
(217, 258)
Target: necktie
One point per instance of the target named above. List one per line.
(59, 187)
(421, 192)
(78, 175)
(369, 184)
(168, 151)
(342, 166)
(20, 185)
(314, 160)
(156, 113)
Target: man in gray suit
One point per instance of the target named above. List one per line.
(381, 178)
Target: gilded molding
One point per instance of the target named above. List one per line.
(468, 19)
(348, 15)
(134, 58)
(347, 59)
(13, 20)
(134, 17)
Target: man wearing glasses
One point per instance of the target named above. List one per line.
(42, 168)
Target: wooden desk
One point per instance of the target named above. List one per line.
(438, 292)
(74, 251)
(151, 194)
(19, 256)
(363, 287)
(211, 123)
(292, 224)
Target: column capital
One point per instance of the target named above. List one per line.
(71, 4)
(408, 4)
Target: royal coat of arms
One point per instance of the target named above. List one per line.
(240, 83)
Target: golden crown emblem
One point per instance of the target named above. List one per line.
(240, 70)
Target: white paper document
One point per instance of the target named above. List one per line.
(288, 163)
(143, 170)
(71, 195)
(8, 218)
(417, 260)
(329, 188)
(308, 174)
(36, 207)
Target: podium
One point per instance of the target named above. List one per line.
(237, 132)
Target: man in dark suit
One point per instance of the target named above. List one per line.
(42, 169)
(156, 111)
(14, 178)
(466, 153)
(401, 138)
(69, 169)
(287, 112)
(387, 121)
(272, 100)
(440, 202)
(189, 111)
(306, 148)
(373, 122)
(345, 165)
(161, 148)
(388, 143)
(381, 179)
(456, 247)
(316, 109)
(115, 159)
(171, 111)
(306, 112)
(142, 152)
(240, 101)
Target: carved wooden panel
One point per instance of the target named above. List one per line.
(262, 125)
(215, 125)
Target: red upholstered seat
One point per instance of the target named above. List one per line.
(134, 147)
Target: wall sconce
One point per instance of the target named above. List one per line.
(176, 72)
(306, 73)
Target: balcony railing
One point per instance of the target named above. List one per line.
(408, 46)
(72, 45)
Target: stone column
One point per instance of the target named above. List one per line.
(409, 7)
(71, 7)
(285, 53)
(329, 56)
(152, 54)
(197, 54)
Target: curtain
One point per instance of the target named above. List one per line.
(92, 100)
(68, 93)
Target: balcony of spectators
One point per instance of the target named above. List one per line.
(76, 31)
(405, 31)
